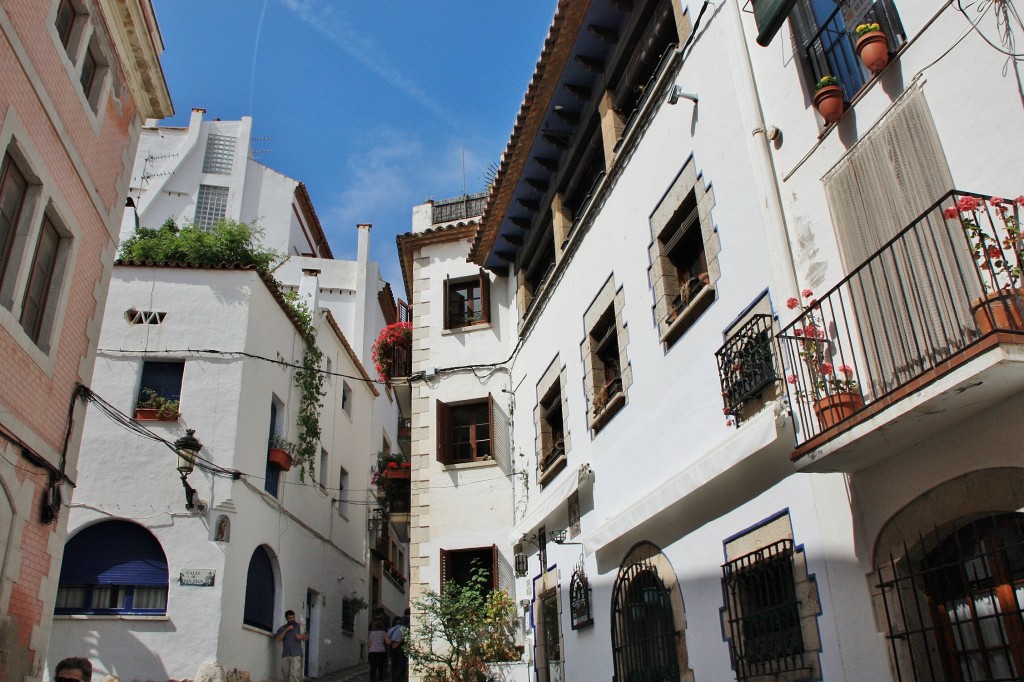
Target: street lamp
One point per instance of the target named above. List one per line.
(188, 447)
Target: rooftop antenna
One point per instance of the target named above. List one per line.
(463, 171)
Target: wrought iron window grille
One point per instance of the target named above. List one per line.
(644, 640)
(579, 598)
(746, 364)
(954, 602)
(763, 612)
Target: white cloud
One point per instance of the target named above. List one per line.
(323, 18)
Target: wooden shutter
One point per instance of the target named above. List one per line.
(770, 15)
(490, 424)
(446, 308)
(494, 567)
(446, 567)
(485, 295)
(444, 433)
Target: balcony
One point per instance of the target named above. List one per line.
(459, 208)
(922, 335)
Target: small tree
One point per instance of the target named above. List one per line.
(462, 629)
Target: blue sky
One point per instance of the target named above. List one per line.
(371, 104)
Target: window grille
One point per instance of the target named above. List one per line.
(763, 612)
(643, 628)
(954, 602)
(211, 206)
(220, 154)
(746, 363)
(579, 598)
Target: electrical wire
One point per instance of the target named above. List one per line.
(1002, 24)
(214, 351)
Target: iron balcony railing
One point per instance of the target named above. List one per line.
(405, 429)
(747, 364)
(945, 281)
(831, 50)
(459, 208)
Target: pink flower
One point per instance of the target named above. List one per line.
(791, 378)
(1019, 200)
(792, 302)
(845, 369)
(798, 332)
(807, 293)
(951, 213)
(811, 331)
(826, 368)
(725, 411)
(995, 201)
(968, 204)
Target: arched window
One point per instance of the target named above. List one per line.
(259, 591)
(956, 601)
(645, 643)
(113, 567)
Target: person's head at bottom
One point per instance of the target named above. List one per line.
(74, 669)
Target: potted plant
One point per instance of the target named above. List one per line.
(391, 337)
(828, 99)
(279, 452)
(872, 47)
(998, 252)
(155, 407)
(833, 392)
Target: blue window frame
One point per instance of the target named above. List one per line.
(163, 378)
(259, 592)
(113, 567)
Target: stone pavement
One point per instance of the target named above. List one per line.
(359, 673)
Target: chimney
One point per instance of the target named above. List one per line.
(309, 289)
(363, 253)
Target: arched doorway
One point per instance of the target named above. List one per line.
(648, 642)
(950, 592)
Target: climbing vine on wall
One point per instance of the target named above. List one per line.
(309, 379)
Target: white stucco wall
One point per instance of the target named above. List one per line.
(226, 399)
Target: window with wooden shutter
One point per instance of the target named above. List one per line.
(446, 568)
(466, 301)
(469, 431)
(444, 433)
(485, 296)
(445, 315)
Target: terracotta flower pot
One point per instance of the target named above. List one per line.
(873, 50)
(836, 407)
(152, 414)
(829, 102)
(999, 310)
(397, 474)
(279, 458)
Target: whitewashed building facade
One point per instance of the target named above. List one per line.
(158, 578)
(675, 234)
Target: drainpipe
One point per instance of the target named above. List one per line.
(784, 279)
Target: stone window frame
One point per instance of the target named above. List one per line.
(555, 378)
(672, 323)
(609, 301)
(41, 202)
(775, 529)
(87, 38)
